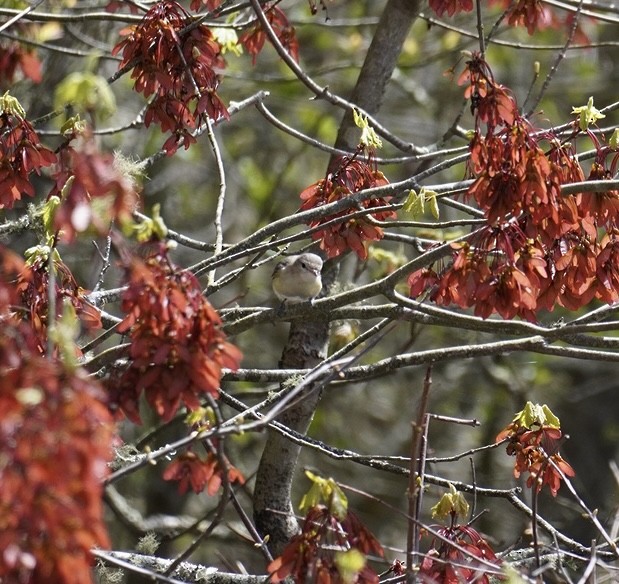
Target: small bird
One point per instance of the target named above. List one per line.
(297, 278)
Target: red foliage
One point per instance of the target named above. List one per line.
(210, 5)
(516, 178)
(451, 7)
(55, 436)
(21, 153)
(177, 63)
(529, 13)
(177, 347)
(11, 266)
(192, 471)
(574, 257)
(254, 37)
(34, 293)
(502, 187)
(310, 556)
(607, 269)
(492, 103)
(454, 561)
(534, 449)
(351, 176)
(115, 5)
(540, 248)
(580, 36)
(14, 57)
(602, 207)
(424, 281)
(99, 193)
(502, 274)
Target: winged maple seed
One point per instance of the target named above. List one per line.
(539, 248)
(177, 349)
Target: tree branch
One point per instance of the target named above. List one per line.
(153, 567)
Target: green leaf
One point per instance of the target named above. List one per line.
(87, 92)
(15, 4)
(587, 115)
(384, 261)
(201, 418)
(613, 142)
(64, 332)
(311, 498)
(535, 415)
(461, 507)
(432, 201)
(327, 492)
(48, 211)
(74, 125)
(414, 204)
(529, 415)
(228, 40)
(10, 105)
(40, 253)
(369, 137)
(349, 564)
(551, 420)
(452, 503)
(151, 228)
(338, 504)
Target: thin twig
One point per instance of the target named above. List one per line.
(590, 514)
(557, 62)
(480, 29)
(21, 14)
(51, 298)
(590, 566)
(105, 258)
(219, 235)
(323, 92)
(472, 515)
(415, 480)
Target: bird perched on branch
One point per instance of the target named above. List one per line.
(297, 278)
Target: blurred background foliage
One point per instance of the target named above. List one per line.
(266, 170)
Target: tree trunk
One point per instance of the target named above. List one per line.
(308, 340)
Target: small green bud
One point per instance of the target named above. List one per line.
(369, 137)
(452, 503)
